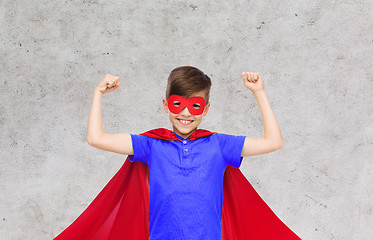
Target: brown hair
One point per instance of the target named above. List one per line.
(186, 80)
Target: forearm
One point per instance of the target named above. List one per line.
(271, 128)
(95, 128)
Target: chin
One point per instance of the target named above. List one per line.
(184, 131)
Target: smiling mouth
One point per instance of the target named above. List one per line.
(185, 122)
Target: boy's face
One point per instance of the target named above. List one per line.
(184, 123)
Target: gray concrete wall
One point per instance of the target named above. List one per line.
(315, 58)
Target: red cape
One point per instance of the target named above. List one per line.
(121, 209)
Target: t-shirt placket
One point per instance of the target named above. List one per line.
(185, 159)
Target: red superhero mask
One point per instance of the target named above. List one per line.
(195, 105)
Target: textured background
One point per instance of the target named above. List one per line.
(315, 58)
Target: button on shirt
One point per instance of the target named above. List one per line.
(186, 183)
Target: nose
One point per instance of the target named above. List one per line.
(186, 112)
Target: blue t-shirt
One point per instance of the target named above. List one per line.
(186, 183)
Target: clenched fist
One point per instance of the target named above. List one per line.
(108, 84)
(253, 81)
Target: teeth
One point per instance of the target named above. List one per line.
(185, 122)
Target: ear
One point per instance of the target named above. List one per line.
(165, 105)
(206, 109)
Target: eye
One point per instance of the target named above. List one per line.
(176, 103)
(196, 105)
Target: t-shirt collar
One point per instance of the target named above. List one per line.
(181, 138)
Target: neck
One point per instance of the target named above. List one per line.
(185, 136)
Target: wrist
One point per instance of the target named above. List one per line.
(259, 92)
(98, 92)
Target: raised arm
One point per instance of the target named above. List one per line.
(272, 135)
(96, 136)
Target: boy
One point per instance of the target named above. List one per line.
(187, 165)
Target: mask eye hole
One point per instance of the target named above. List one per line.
(196, 105)
(176, 103)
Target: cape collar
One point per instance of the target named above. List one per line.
(165, 134)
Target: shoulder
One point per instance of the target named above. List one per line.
(224, 138)
(141, 139)
(225, 135)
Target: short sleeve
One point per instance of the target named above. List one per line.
(231, 148)
(141, 148)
